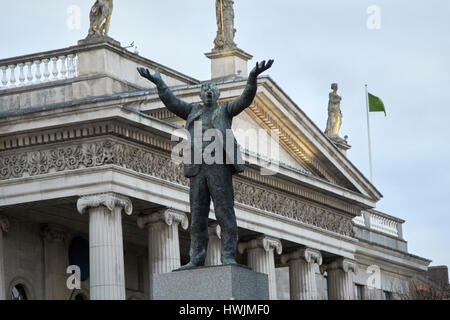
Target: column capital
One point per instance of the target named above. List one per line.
(109, 200)
(265, 242)
(343, 264)
(168, 215)
(307, 254)
(214, 230)
(54, 233)
(4, 224)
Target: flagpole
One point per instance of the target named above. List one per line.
(368, 135)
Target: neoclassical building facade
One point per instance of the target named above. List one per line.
(87, 179)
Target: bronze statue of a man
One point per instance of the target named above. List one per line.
(211, 180)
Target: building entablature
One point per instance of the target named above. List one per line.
(132, 157)
(106, 71)
(389, 260)
(90, 122)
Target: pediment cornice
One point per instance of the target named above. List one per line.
(296, 145)
(298, 134)
(288, 114)
(303, 138)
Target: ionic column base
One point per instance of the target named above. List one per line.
(340, 279)
(163, 240)
(213, 254)
(4, 227)
(107, 271)
(260, 257)
(302, 277)
(55, 262)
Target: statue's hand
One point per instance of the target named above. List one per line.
(260, 68)
(155, 78)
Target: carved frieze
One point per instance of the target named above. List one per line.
(144, 160)
(290, 207)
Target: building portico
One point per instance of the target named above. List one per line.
(86, 153)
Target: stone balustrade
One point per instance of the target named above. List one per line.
(359, 221)
(380, 222)
(38, 68)
(383, 224)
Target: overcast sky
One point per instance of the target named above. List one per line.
(314, 43)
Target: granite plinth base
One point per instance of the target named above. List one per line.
(92, 39)
(231, 282)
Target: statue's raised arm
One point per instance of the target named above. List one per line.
(177, 106)
(246, 98)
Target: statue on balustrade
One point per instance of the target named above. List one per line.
(100, 18)
(209, 124)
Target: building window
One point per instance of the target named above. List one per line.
(79, 256)
(387, 295)
(359, 292)
(325, 287)
(18, 293)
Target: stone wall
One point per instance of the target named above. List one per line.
(24, 259)
(24, 263)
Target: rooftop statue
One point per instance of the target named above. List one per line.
(225, 25)
(334, 115)
(100, 18)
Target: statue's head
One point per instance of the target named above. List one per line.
(210, 93)
(334, 86)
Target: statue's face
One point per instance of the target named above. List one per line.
(210, 93)
(334, 86)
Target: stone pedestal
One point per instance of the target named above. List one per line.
(98, 39)
(229, 63)
(163, 240)
(341, 144)
(107, 271)
(232, 282)
(213, 254)
(260, 257)
(4, 227)
(302, 277)
(340, 279)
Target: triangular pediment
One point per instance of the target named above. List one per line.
(253, 136)
(302, 144)
(305, 143)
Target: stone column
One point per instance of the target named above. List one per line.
(107, 272)
(260, 257)
(163, 240)
(340, 279)
(302, 277)
(213, 255)
(55, 262)
(4, 227)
